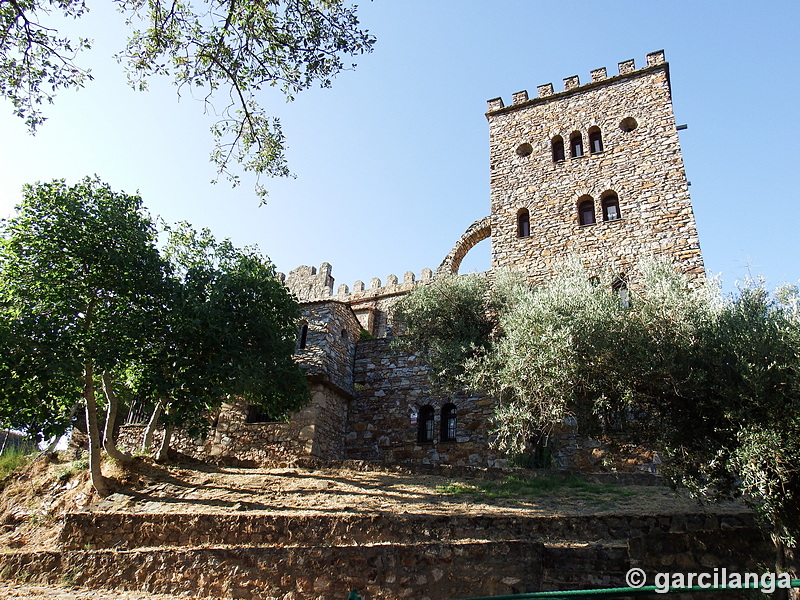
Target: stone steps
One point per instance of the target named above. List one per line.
(261, 555)
(133, 530)
(401, 568)
(440, 571)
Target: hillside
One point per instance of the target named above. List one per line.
(48, 510)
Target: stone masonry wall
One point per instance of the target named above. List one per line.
(333, 332)
(642, 166)
(317, 430)
(390, 386)
(133, 530)
(437, 571)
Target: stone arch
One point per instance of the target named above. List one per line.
(477, 232)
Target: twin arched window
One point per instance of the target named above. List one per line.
(425, 424)
(558, 149)
(449, 423)
(586, 211)
(609, 204)
(595, 140)
(610, 207)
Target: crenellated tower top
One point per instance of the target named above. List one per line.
(572, 84)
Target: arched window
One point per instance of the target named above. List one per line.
(523, 223)
(620, 287)
(611, 207)
(449, 423)
(595, 140)
(425, 424)
(586, 211)
(558, 149)
(576, 144)
(303, 335)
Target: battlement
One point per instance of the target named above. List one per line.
(572, 83)
(308, 283)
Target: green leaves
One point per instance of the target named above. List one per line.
(228, 329)
(447, 321)
(713, 383)
(35, 62)
(229, 49)
(80, 283)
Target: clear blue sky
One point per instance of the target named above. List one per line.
(392, 162)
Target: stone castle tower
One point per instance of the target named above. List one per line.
(594, 170)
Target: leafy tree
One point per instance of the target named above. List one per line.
(229, 329)
(715, 384)
(87, 301)
(229, 49)
(80, 274)
(447, 321)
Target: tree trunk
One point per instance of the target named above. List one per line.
(164, 449)
(151, 426)
(780, 558)
(98, 481)
(109, 443)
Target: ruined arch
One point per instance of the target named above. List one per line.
(477, 232)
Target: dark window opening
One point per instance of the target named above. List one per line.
(595, 140)
(425, 424)
(611, 208)
(449, 423)
(586, 212)
(558, 149)
(523, 223)
(256, 414)
(303, 336)
(576, 144)
(620, 287)
(628, 124)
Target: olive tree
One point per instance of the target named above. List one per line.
(714, 383)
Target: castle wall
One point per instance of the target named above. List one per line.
(316, 430)
(642, 166)
(330, 344)
(390, 387)
(372, 305)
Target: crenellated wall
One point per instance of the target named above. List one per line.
(372, 305)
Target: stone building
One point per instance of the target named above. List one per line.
(593, 171)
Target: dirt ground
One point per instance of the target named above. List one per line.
(33, 501)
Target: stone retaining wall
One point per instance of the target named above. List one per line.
(438, 571)
(107, 530)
